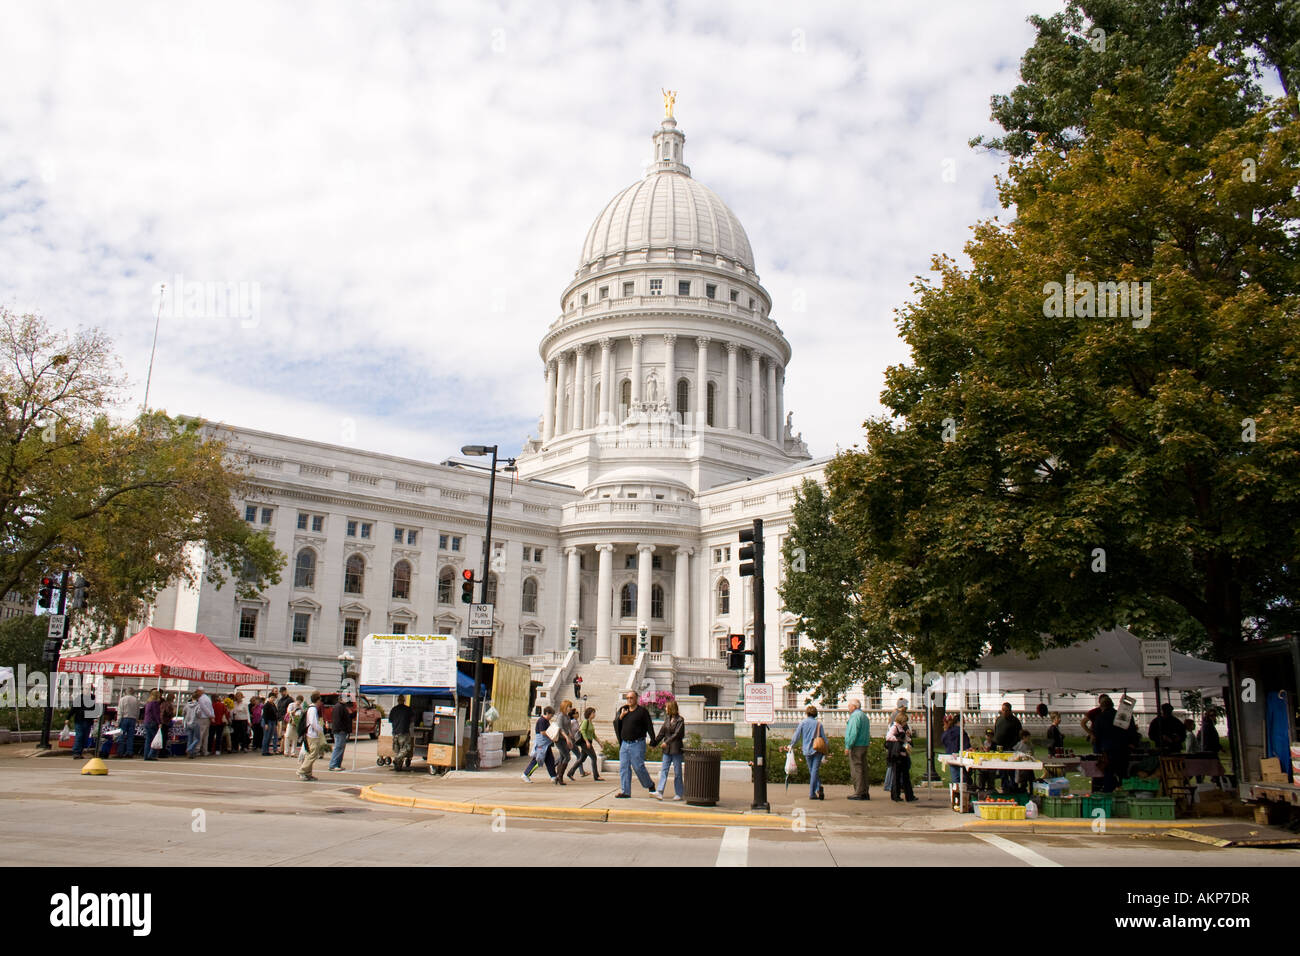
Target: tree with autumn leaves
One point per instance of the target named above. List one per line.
(1044, 474)
(130, 505)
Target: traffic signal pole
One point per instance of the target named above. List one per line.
(476, 699)
(760, 660)
(54, 672)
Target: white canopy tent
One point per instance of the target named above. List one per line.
(1110, 661)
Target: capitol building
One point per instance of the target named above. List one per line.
(663, 432)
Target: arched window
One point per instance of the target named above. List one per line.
(402, 580)
(712, 396)
(724, 597)
(354, 575)
(657, 603)
(625, 393)
(627, 605)
(491, 589)
(445, 578)
(683, 396)
(304, 569)
(529, 601)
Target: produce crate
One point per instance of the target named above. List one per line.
(1092, 802)
(1061, 806)
(1000, 811)
(1156, 808)
(1021, 798)
(987, 811)
(1134, 784)
(1119, 805)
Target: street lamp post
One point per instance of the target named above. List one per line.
(573, 636)
(345, 661)
(471, 758)
(641, 631)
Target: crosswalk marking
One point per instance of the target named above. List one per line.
(734, 850)
(1024, 854)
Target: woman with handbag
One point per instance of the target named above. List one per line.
(898, 752)
(581, 744)
(152, 724)
(564, 740)
(815, 748)
(671, 736)
(544, 733)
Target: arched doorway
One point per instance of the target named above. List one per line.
(708, 691)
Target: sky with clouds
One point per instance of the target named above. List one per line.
(397, 194)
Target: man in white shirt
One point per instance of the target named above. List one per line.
(315, 739)
(206, 713)
(128, 713)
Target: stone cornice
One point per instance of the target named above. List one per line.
(673, 320)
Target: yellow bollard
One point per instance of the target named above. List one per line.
(95, 767)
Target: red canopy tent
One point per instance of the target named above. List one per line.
(179, 655)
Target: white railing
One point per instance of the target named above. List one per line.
(660, 659)
(637, 674)
(563, 675)
(881, 718)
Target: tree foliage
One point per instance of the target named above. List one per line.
(1091, 44)
(131, 507)
(1045, 475)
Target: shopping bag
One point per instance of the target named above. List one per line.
(791, 766)
(157, 742)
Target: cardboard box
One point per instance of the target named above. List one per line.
(441, 755)
(1270, 777)
(1270, 765)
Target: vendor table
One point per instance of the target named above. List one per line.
(953, 760)
(1058, 766)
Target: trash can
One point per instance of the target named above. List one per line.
(703, 776)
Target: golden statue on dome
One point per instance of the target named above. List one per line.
(670, 97)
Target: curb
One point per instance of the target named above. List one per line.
(1082, 824)
(590, 814)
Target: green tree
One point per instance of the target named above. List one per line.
(1091, 44)
(22, 641)
(129, 506)
(1053, 471)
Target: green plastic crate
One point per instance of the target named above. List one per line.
(1020, 798)
(1061, 806)
(1093, 802)
(1155, 808)
(1141, 783)
(1119, 805)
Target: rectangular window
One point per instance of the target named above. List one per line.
(735, 295)
(711, 290)
(684, 287)
(604, 292)
(455, 543)
(365, 529)
(301, 625)
(397, 535)
(528, 553)
(629, 562)
(248, 624)
(302, 522)
(537, 555)
(584, 298)
(527, 647)
(751, 301)
(317, 523)
(250, 512)
(411, 536)
(266, 516)
(629, 289)
(351, 626)
(399, 628)
(442, 542)
(656, 286)
(657, 563)
(352, 529)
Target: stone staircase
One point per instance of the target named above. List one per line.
(602, 686)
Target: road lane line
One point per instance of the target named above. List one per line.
(734, 850)
(1021, 853)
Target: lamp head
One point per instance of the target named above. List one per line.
(475, 450)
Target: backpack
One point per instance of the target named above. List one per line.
(300, 725)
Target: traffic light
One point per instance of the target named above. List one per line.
(736, 652)
(751, 555)
(46, 599)
(79, 589)
(467, 586)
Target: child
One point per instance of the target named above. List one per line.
(984, 778)
(1026, 747)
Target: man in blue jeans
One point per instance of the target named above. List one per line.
(270, 723)
(341, 724)
(633, 727)
(128, 715)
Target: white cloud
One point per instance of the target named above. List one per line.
(385, 175)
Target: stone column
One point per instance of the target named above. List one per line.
(571, 588)
(682, 604)
(548, 411)
(771, 401)
(561, 373)
(643, 553)
(779, 435)
(580, 388)
(604, 601)
(606, 386)
(755, 393)
(670, 370)
(732, 348)
(702, 381)
(636, 368)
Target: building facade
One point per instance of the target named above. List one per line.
(664, 432)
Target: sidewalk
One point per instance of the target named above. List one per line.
(502, 790)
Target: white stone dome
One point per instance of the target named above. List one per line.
(667, 210)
